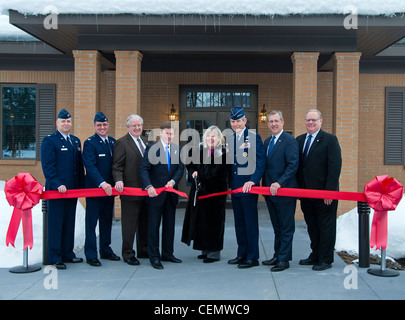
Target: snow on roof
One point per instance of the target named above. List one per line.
(201, 7)
(259, 7)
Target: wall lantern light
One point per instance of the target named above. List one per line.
(263, 114)
(172, 114)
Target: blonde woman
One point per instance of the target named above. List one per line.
(204, 223)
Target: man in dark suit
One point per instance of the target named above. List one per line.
(281, 167)
(320, 166)
(97, 158)
(128, 154)
(62, 165)
(161, 167)
(247, 170)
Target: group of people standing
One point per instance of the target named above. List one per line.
(311, 161)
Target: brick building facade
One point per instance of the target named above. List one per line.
(353, 103)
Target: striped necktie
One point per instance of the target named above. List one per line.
(141, 145)
(306, 148)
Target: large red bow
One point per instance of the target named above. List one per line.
(383, 194)
(23, 192)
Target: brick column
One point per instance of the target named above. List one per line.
(304, 87)
(346, 120)
(87, 91)
(127, 88)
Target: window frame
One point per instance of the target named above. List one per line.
(45, 110)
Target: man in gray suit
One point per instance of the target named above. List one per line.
(128, 154)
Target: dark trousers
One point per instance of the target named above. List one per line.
(246, 226)
(321, 222)
(134, 221)
(98, 209)
(165, 212)
(61, 229)
(282, 218)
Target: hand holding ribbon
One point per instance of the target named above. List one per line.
(23, 192)
(383, 194)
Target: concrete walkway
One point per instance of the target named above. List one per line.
(194, 280)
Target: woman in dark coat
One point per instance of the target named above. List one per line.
(204, 223)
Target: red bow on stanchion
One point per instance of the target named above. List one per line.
(23, 192)
(382, 194)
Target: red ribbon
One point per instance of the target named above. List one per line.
(298, 193)
(383, 194)
(98, 192)
(23, 192)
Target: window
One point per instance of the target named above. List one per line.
(27, 115)
(18, 122)
(394, 126)
(217, 99)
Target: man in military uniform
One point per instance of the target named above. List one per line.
(249, 160)
(62, 166)
(97, 158)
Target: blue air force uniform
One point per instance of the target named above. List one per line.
(249, 160)
(62, 164)
(97, 159)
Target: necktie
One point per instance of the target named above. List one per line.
(70, 141)
(141, 145)
(271, 145)
(306, 148)
(168, 158)
(108, 146)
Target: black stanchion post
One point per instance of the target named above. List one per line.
(44, 232)
(364, 234)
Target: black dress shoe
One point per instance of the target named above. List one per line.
(60, 265)
(248, 264)
(94, 262)
(74, 260)
(172, 259)
(112, 257)
(237, 260)
(321, 266)
(132, 261)
(209, 260)
(307, 262)
(271, 262)
(280, 266)
(157, 264)
(202, 256)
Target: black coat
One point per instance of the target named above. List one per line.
(204, 223)
(322, 166)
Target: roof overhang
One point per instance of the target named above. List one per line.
(214, 35)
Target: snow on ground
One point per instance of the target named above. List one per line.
(347, 232)
(10, 256)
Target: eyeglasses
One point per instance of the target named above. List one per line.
(103, 124)
(312, 120)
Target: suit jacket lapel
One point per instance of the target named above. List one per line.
(107, 148)
(315, 144)
(65, 142)
(133, 145)
(277, 144)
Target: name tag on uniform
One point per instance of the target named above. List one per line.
(102, 155)
(63, 149)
